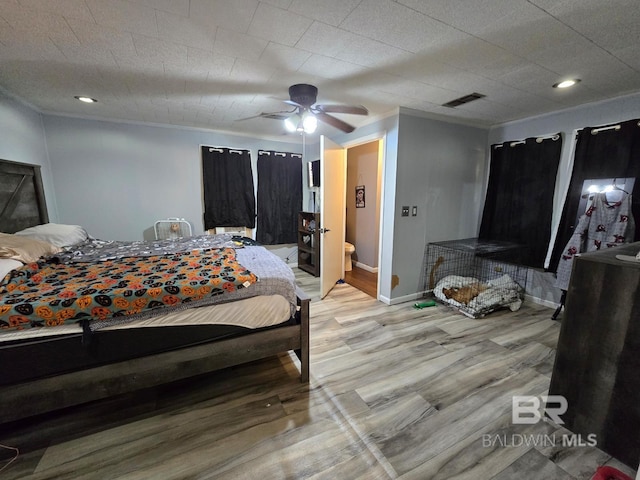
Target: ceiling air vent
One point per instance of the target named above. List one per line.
(462, 100)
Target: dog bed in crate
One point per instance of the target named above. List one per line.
(476, 298)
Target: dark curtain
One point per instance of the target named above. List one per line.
(279, 197)
(607, 153)
(519, 202)
(229, 199)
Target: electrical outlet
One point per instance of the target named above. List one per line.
(414, 211)
(405, 211)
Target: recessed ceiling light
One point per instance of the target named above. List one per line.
(567, 83)
(85, 99)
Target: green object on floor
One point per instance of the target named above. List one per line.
(428, 303)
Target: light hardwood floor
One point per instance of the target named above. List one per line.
(395, 392)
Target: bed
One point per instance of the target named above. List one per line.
(146, 339)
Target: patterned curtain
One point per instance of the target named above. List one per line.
(229, 199)
(279, 197)
(519, 202)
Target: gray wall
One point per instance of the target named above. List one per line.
(440, 168)
(117, 179)
(23, 140)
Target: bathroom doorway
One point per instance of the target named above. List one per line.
(362, 219)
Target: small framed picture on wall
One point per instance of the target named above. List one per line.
(360, 196)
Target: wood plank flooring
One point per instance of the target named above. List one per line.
(363, 280)
(395, 392)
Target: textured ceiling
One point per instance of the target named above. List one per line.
(209, 63)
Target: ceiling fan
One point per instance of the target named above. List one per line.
(307, 112)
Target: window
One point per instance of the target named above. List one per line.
(279, 197)
(227, 179)
(519, 203)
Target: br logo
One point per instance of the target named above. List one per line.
(526, 408)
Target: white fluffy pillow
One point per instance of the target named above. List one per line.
(56, 234)
(25, 249)
(7, 265)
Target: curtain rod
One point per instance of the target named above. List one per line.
(282, 154)
(540, 139)
(604, 128)
(222, 149)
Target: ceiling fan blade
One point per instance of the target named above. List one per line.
(272, 115)
(352, 109)
(248, 118)
(292, 103)
(334, 122)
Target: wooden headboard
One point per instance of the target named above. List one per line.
(22, 202)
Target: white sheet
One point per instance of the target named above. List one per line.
(252, 312)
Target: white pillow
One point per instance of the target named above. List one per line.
(56, 234)
(25, 249)
(8, 264)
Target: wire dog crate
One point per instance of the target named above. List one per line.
(481, 260)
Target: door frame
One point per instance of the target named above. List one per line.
(381, 136)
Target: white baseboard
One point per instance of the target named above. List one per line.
(366, 267)
(541, 301)
(416, 296)
(405, 298)
(384, 299)
(292, 264)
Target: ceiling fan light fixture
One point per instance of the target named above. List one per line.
(291, 123)
(306, 122)
(309, 122)
(307, 113)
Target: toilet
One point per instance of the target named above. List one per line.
(348, 251)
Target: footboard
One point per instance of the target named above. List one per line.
(302, 317)
(43, 395)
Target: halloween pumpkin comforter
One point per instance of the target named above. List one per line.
(46, 294)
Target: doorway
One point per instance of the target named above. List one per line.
(332, 199)
(362, 214)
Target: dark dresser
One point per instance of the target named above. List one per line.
(597, 365)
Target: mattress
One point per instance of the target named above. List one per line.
(270, 300)
(253, 312)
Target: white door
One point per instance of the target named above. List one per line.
(333, 166)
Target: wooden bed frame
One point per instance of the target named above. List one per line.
(38, 396)
(22, 399)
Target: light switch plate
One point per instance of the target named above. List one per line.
(414, 211)
(405, 211)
